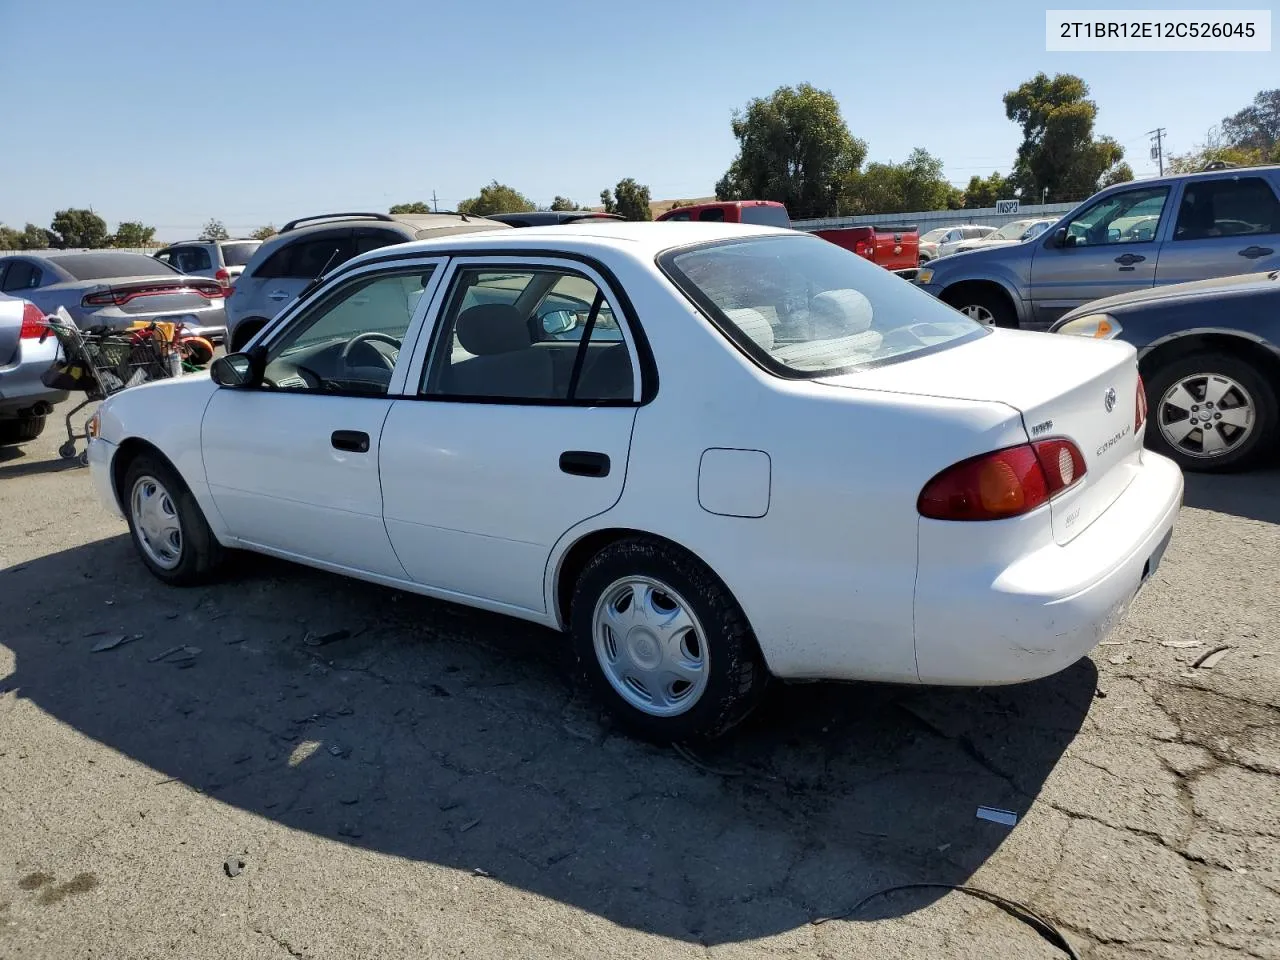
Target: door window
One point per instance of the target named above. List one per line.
(1227, 208)
(21, 276)
(350, 341)
(542, 335)
(1129, 217)
(306, 259)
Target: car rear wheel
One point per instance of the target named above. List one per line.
(663, 643)
(1211, 412)
(21, 430)
(985, 306)
(168, 528)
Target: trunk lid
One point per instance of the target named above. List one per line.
(1081, 389)
(151, 295)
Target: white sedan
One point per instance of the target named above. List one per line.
(710, 453)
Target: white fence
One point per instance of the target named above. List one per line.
(51, 252)
(927, 220)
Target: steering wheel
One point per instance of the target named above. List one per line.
(369, 337)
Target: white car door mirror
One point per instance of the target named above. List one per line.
(558, 321)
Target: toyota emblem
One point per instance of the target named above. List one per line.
(1109, 399)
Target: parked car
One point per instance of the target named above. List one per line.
(1209, 353)
(221, 260)
(769, 213)
(1129, 237)
(114, 289)
(544, 218)
(26, 353)
(894, 248)
(484, 462)
(1016, 231)
(309, 246)
(942, 241)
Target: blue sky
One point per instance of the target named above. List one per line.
(257, 112)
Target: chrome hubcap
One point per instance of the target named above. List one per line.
(155, 519)
(979, 313)
(650, 646)
(1206, 415)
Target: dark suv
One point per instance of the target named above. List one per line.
(309, 246)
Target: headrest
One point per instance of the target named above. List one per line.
(754, 324)
(492, 328)
(841, 313)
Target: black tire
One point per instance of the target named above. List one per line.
(201, 555)
(23, 430)
(736, 673)
(1258, 443)
(996, 304)
(245, 331)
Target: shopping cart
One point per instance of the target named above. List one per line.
(100, 361)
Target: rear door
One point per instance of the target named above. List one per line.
(1112, 247)
(1225, 226)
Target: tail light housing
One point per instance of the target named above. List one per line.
(865, 248)
(1004, 483)
(33, 325)
(1140, 406)
(209, 289)
(223, 276)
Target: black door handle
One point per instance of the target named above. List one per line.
(1254, 252)
(584, 463)
(1129, 259)
(355, 441)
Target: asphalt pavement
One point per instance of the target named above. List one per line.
(291, 764)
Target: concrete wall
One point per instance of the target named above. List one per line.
(927, 220)
(54, 253)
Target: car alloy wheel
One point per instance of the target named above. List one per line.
(1206, 415)
(156, 522)
(650, 646)
(979, 313)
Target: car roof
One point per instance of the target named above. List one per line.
(542, 217)
(1171, 178)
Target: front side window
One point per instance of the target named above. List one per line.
(350, 341)
(535, 334)
(802, 306)
(1129, 217)
(1237, 207)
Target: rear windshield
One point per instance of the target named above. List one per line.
(803, 307)
(766, 216)
(238, 254)
(97, 266)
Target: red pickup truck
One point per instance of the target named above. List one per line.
(894, 248)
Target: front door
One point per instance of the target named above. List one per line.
(292, 464)
(1111, 247)
(519, 430)
(1225, 226)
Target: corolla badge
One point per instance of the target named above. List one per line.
(1109, 399)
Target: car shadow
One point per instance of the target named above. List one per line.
(1254, 495)
(435, 733)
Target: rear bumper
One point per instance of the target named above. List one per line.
(209, 322)
(21, 388)
(101, 454)
(1051, 607)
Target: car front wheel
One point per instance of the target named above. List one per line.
(663, 643)
(168, 528)
(1211, 412)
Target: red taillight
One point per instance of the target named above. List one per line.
(1004, 483)
(1140, 410)
(105, 299)
(223, 277)
(33, 325)
(208, 289)
(865, 248)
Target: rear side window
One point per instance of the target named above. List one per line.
(21, 276)
(238, 254)
(1227, 208)
(766, 216)
(307, 259)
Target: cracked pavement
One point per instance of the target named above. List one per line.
(435, 783)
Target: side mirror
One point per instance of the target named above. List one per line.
(1060, 237)
(233, 370)
(558, 321)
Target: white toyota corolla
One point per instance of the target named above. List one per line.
(711, 453)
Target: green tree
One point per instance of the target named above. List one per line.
(133, 233)
(496, 198)
(10, 239)
(214, 230)
(982, 192)
(629, 200)
(1257, 126)
(79, 228)
(264, 233)
(793, 147)
(563, 203)
(417, 206)
(1059, 152)
(35, 238)
(913, 185)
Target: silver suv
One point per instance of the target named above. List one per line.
(1133, 236)
(308, 247)
(221, 260)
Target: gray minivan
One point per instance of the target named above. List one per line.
(1132, 236)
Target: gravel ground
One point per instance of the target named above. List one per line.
(432, 783)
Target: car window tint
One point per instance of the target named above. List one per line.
(350, 341)
(712, 215)
(1129, 217)
(238, 254)
(375, 240)
(1227, 208)
(519, 335)
(306, 259)
(21, 276)
(191, 259)
(680, 216)
(766, 216)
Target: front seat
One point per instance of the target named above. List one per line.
(505, 362)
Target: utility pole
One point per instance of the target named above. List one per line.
(435, 204)
(1157, 146)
